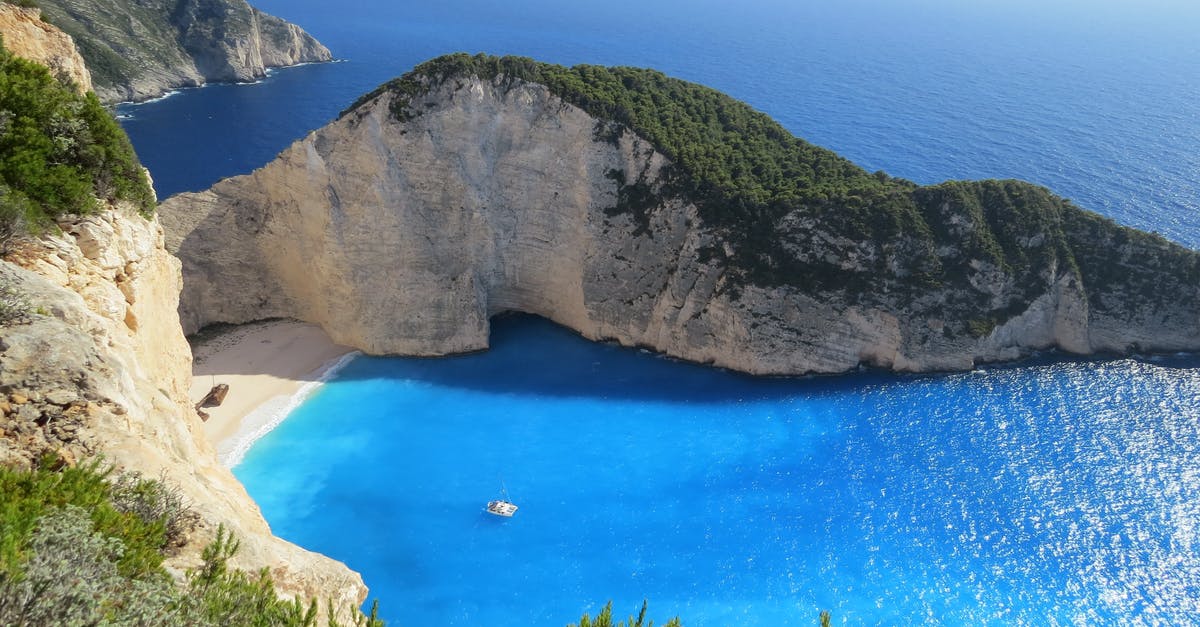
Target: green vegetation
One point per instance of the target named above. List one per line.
(605, 619)
(29, 4)
(80, 548)
(794, 214)
(59, 151)
(121, 40)
(743, 169)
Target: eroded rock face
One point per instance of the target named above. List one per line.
(28, 37)
(491, 196)
(101, 367)
(140, 50)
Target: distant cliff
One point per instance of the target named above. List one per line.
(28, 37)
(638, 208)
(139, 49)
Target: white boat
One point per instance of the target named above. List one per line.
(503, 506)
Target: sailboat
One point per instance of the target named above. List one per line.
(502, 507)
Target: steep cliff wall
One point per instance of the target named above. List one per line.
(102, 368)
(139, 50)
(441, 201)
(28, 37)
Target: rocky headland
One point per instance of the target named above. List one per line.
(28, 37)
(140, 50)
(641, 209)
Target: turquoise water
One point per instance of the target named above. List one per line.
(1050, 493)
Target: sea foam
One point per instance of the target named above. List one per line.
(270, 414)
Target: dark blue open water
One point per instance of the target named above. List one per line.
(1051, 493)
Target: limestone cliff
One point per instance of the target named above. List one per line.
(27, 36)
(102, 368)
(141, 49)
(453, 195)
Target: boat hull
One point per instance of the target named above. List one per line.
(501, 508)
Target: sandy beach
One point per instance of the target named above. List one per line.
(269, 367)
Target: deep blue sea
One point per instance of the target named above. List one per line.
(1054, 492)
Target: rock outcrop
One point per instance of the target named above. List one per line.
(101, 367)
(28, 37)
(431, 206)
(138, 50)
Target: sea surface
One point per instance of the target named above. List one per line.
(1052, 492)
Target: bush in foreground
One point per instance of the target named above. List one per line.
(77, 548)
(60, 152)
(605, 619)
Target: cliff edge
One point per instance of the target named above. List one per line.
(28, 37)
(101, 367)
(642, 209)
(93, 361)
(138, 50)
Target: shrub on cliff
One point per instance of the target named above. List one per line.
(79, 549)
(605, 619)
(59, 151)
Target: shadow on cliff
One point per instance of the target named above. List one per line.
(279, 348)
(531, 355)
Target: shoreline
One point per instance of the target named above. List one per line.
(172, 91)
(271, 367)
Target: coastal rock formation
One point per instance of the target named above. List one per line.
(140, 50)
(455, 194)
(101, 367)
(28, 37)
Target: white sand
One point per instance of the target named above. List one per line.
(270, 367)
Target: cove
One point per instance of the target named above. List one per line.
(1046, 493)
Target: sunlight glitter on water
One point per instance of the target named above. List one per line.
(1058, 493)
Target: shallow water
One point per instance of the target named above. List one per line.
(1052, 493)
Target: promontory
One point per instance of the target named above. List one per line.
(140, 49)
(641, 209)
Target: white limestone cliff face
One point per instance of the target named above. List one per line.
(28, 37)
(102, 368)
(406, 237)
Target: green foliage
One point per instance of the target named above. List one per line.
(221, 596)
(79, 549)
(30, 495)
(824, 617)
(59, 151)
(154, 501)
(605, 619)
(105, 65)
(217, 595)
(72, 578)
(979, 327)
(32, 4)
